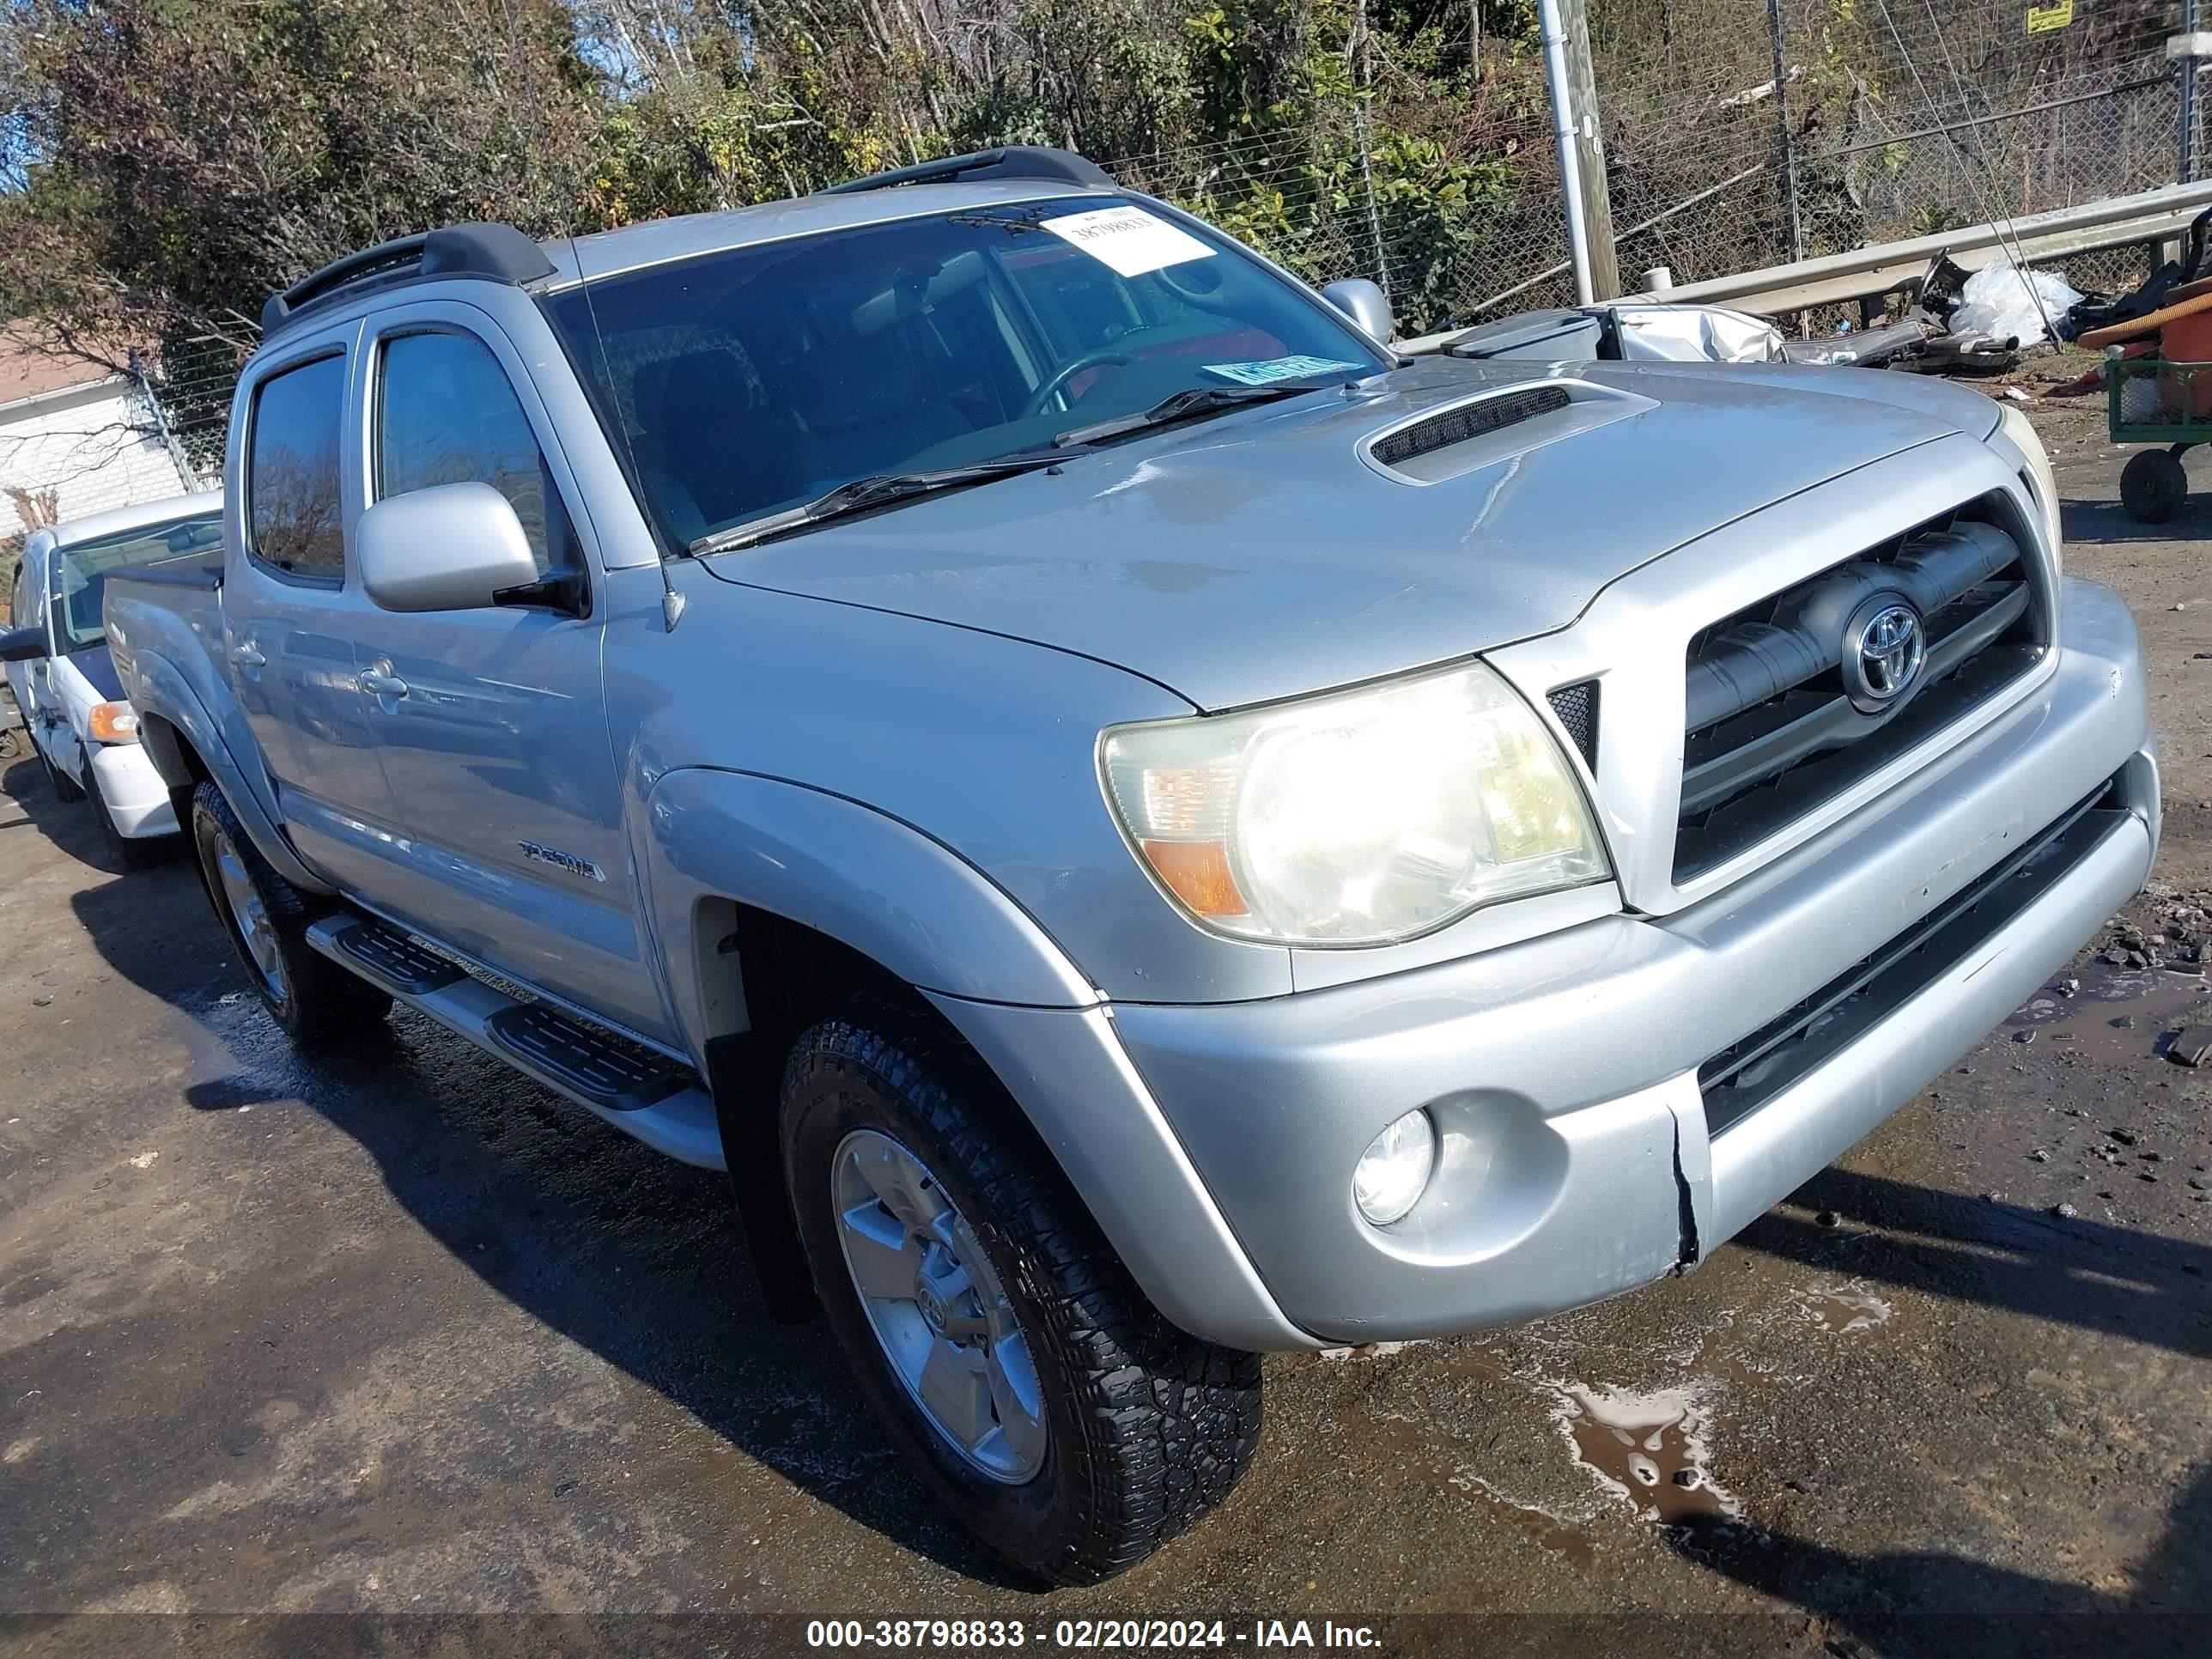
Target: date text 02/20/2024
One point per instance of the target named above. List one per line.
(1089, 1634)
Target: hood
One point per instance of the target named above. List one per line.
(98, 667)
(1261, 554)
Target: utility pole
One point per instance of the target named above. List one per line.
(2186, 49)
(1360, 50)
(1564, 25)
(1787, 149)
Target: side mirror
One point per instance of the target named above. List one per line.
(1365, 303)
(451, 547)
(23, 645)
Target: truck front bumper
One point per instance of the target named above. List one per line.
(1581, 1156)
(136, 799)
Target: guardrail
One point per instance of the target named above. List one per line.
(2148, 216)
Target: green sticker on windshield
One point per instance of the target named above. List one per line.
(1277, 369)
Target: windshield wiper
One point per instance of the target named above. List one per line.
(1192, 401)
(865, 494)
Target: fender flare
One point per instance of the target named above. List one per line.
(172, 711)
(918, 909)
(864, 879)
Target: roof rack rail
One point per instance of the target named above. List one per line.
(1009, 161)
(498, 252)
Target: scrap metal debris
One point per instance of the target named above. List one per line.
(2190, 1046)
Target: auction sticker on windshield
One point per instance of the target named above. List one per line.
(1277, 369)
(1129, 240)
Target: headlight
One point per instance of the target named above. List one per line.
(1354, 819)
(114, 722)
(2017, 427)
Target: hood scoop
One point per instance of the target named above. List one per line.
(1481, 431)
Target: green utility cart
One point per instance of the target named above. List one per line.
(2149, 400)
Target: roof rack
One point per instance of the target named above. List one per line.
(500, 252)
(1010, 162)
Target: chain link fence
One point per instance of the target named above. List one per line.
(1738, 134)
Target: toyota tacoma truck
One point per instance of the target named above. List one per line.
(1139, 827)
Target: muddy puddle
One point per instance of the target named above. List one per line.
(2116, 1014)
(1407, 1447)
(1844, 1312)
(1648, 1448)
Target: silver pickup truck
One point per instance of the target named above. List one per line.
(1139, 827)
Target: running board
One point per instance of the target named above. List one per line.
(634, 1087)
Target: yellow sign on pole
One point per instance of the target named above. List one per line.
(2041, 20)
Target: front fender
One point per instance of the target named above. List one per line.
(162, 696)
(868, 880)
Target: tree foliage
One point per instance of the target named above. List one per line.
(174, 161)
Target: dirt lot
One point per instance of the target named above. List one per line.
(413, 1338)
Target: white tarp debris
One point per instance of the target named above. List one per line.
(1997, 303)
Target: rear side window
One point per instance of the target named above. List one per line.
(292, 471)
(447, 414)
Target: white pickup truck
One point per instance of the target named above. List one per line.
(73, 708)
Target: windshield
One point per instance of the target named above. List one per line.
(81, 570)
(751, 381)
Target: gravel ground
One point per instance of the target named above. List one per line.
(411, 1339)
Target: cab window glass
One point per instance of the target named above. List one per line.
(81, 570)
(447, 414)
(292, 471)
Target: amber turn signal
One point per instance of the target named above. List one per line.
(1198, 873)
(114, 722)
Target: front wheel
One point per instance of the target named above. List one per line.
(317, 1002)
(1061, 1417)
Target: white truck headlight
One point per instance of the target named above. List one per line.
(2017, 427)
(1357, 818)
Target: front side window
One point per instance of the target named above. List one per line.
(749, 380)
(81, 569)
(292, 471)
(447, 414)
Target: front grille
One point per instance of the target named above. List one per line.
(1747, 1074)
(1771, 731)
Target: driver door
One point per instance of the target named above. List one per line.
(491, 723)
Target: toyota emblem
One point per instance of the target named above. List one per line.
(1884, 646)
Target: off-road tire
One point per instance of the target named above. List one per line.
(320, 1004)
(132, 852)
(66, 789)
(2153, 486)
(1150, 1427)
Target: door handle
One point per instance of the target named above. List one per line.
(247, 657)
(383, 685)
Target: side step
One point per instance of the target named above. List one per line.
(385, 957)
(637, 1088)
(611, 1074)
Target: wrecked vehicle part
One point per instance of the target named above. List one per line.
(1867, 348)
(1625, 332)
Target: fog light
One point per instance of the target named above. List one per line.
(1394, 1169)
